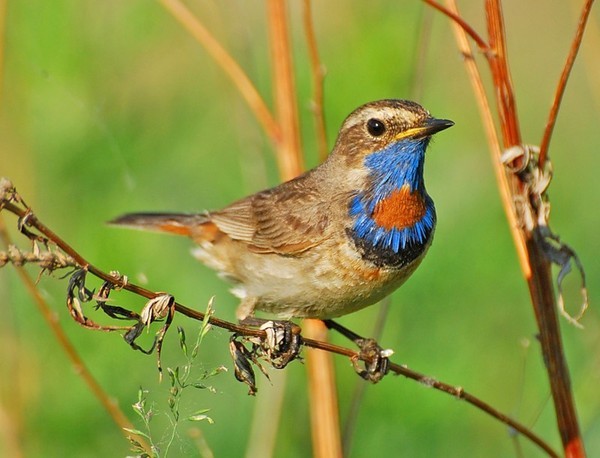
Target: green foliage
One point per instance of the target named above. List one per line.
(181, 378)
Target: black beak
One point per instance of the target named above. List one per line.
(429, 127)
(433, 125)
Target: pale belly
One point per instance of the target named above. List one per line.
(325, 282)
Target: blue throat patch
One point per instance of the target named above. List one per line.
(392, 168)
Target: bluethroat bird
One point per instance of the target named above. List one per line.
(334, 240)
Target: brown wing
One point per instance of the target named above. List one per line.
(288, 219)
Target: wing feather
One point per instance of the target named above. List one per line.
(286, 220)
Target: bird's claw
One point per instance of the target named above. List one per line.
(282, 344)
(372, 362)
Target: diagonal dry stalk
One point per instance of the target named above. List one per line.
(231, 68)
(562, 82)
(529, 241)
(117, 415)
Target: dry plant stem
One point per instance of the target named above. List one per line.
(32, 221)
(498, 61)
(562, 83)
(185, 17)
(481, 43)
(492, 136)
(540, 282)
(324, 411)
(81, 369)
(286, 105)
(541, 289)
(322, 392)
(318, 74)
(288, 152)
(535, 265)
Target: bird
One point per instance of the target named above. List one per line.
(333, 240)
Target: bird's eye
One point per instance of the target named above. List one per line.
(375, 127)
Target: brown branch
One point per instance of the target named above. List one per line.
(562, 83)
(498, 61)
(27, 217)
(481, 43)
(33, 221)
(541, 290)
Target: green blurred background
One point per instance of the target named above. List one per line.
(109, 107)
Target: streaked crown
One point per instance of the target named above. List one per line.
(375, 125)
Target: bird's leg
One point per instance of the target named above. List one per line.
(283, 342)
(375, 360)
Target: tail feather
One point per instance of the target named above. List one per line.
(173, 223)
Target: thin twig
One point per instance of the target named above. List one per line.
(318, 74)
(562, 83)
(541, 287)
(33, 221)
(481, 43)
(239, 78)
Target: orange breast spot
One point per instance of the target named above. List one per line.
(400, 209)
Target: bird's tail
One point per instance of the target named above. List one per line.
(172, 223)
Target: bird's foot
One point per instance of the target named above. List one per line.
(372, 362)
(282, 343)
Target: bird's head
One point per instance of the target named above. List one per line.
(382, 145)
(397, 126)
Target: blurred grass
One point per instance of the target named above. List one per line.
(111, 107)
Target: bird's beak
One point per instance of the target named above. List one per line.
(429, 127)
